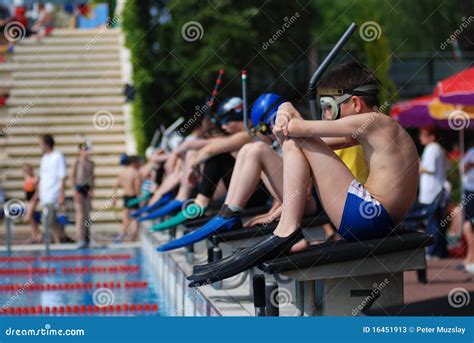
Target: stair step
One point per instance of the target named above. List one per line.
(34, 161)
(64, 92)
(69, 110)
(100, 184)
(102, 31)
(77, 101)
(96, 83)
(70, 120)
(42, 51)
(100, 171)
(67, 58)
(102, 208)
(84, 65)
(65, 140)
(35, 150)
(62, 129)
(96, 39)
(65, 74)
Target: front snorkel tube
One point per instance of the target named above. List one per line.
(169, 131)
(215, 91)
(249, 130)
(312, 88)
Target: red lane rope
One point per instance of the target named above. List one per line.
(26, 271)
(17, 258)
(78, 309)
(65, 258)
(108, 269)
(71, 286)
(86, 257)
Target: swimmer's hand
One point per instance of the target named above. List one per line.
(297, 128)
(286, 113)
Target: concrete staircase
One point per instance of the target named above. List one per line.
(57, 87)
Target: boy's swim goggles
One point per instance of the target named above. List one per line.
(331, 98)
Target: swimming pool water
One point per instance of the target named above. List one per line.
(104, 281)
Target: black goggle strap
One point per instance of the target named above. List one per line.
(371, 89)
(263, 127)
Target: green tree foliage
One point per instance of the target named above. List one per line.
(173, 75)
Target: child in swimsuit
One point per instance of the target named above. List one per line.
(82, 180)
(130, 180)
(30, 185)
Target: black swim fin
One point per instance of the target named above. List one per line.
(269, 248)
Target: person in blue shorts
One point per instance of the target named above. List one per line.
(358, 211)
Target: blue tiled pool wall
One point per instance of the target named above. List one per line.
(181, 300)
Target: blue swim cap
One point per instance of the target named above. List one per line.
(265, 108)
(123, 159)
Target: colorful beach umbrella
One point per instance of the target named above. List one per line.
(457, 89)
(414, 112)
(455, 104)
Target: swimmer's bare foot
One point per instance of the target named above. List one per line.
(302, 245)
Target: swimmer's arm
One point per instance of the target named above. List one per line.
(222, 145)
(345, 127)
(194, 144)
(336, 143)
(137, 184)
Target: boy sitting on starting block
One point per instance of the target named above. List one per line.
(359, 211)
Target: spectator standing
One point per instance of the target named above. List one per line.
(51, 188)
(468, 209)
(432, 197)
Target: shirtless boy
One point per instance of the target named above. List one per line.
(130, 180)
(359, 211)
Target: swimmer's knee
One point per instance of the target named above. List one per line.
(245, 150)
(259, 149)
(290, 145)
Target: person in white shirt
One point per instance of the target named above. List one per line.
(468, 207)
(51, 187)
(433, 174)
